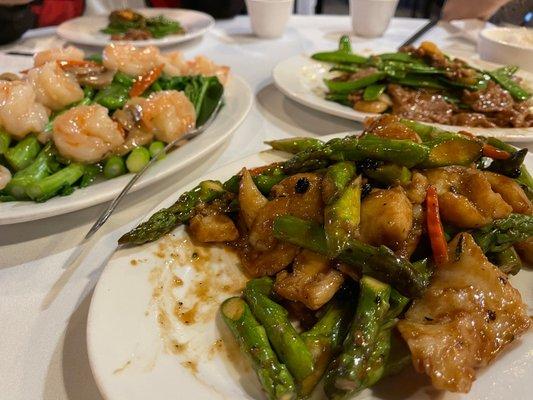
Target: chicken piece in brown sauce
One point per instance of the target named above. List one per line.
(469, 313)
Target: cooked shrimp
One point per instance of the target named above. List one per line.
(168, 114)
(5, 177)
(54, 87)
(58, 54)
(201, 65)
(511, 192)
(129, 59)
(174, 63)
(86, 133)
(19, 113)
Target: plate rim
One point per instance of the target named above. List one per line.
(81, 204)
(99, 287)
(280, 77)
(162, 42)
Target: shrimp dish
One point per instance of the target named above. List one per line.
(367, 255)
(72, 119)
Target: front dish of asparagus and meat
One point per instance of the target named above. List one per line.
(72, 119)
(424, 84)
(369, 253)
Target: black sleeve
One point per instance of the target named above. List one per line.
(14, 21)
(216, 8)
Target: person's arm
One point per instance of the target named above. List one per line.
(460, 9)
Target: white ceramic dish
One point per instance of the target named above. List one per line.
(139, 347)
(239, 99)
(503, 44)
(86, 29)
(301, 79)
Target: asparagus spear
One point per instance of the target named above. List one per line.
(287, 343)
(502, 233)
(378, 262)
(507, 260)
(335, 180)
(389, 174)
(275, 379)
(347, 375)
(324, 340)
(48, 187)
(23, 153)
(165, 220)
(295, 145)
(5, 141)
(342, 217)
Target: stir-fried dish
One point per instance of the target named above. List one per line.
(425, 84)
(69, 119)
(129, 25)
(367, 253)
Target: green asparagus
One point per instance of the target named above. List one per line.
(43, 165)
(23, 153)
(347, 373)
(389, 174)
(5, 141)
(274, 376)
(137, 159)
(287, 343)
(502, 233)
(379, 262)
(165, 220)
(507, 260)
(335, 180)
(295, 145)
(342, 217)
(324, 341)
(50, 186)
(114, 166)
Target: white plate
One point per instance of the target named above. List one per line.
(129, 349)
(301, 79)
(238, 96)
(86, 30)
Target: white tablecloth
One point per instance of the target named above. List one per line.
(43, 310)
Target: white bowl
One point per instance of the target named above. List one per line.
(509, 46)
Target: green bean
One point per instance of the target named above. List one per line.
(372, 92)
(114, 166)
(350, 86)
(509, 84)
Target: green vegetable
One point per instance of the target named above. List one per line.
(350, 86)
(421, 80)
(95, 57)
(287, 343)
(23, 153)
(335, 179)
(155, 148)
(113, 96)
(114, 166)
(452, 149)
(165, 220)
(89, 175)
(389, 174)
(379, 262)
(123, 79)
(50, 186)
(295, 145)
(339, 57)
(507, 260)
(512, 166)
(509, 84)
(372, 92)
(342, 217)
(5, 141)
(324, 341)
(137, 159)
(275, 379)
(43, 165)
(502, 233)
(347, 374)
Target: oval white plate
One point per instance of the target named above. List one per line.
(301, 79)
(86, 30)
(238, 97)
(132, 324)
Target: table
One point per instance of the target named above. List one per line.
(43, 309)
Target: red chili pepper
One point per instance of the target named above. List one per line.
(143, 82)
(495, 153)
(435, 230)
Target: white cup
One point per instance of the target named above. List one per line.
(370, 18)
(269, 17)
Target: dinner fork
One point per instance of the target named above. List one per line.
(175, 143)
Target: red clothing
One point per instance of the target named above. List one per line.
(54, 12)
